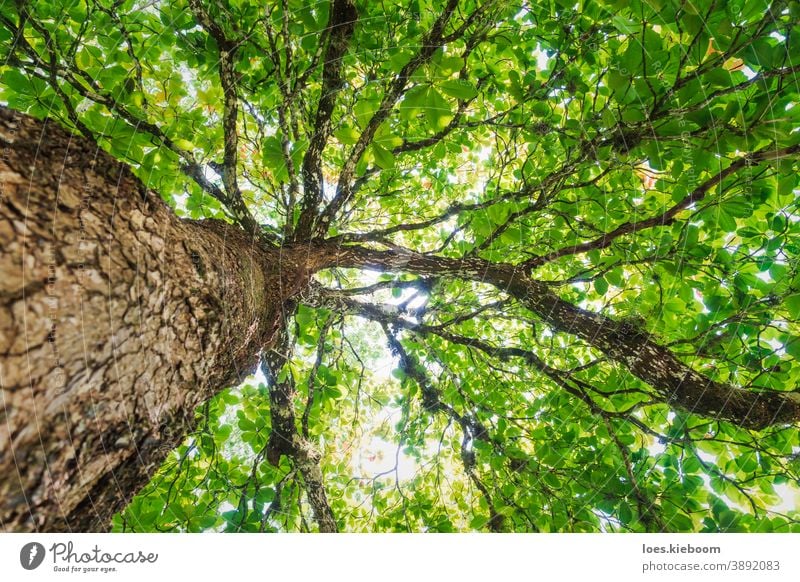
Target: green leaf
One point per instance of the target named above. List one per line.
(15, 81)
(265, 495)
(347, 135)
(617, 80)
(625, 513)
(793, 347)
(414, 101)
(478, 522)
(437, 110)
(624, 25)
(459, 89)
(304, 317)
(792, 303)
(364, 110)
(272, 155)
(383, 157)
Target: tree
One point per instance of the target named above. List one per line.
(570, 232)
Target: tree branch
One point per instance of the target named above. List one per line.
(284, 438)
(470, 426)
(432, 41)
(230, 117)
(90, 90)
(341, 24)
(665, 218)
(673, 381)
(457, 208)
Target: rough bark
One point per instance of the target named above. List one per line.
(116, 320)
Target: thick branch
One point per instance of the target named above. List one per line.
(390, 315)
(432, 41)
(284, 438)
(341, 24)
(674, 381)
(230, 116)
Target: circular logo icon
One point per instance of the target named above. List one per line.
(31, 555)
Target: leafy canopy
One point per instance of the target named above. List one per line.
(637, 157)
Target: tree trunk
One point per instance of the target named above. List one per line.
(117, 319)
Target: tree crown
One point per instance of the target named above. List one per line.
(563, 293)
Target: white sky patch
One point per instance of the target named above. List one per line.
(180, 201)
(790, 497)
(484, 153)
(748, 72)
(542, 59)
(377, 456)
(778, 347)
(764, 276)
